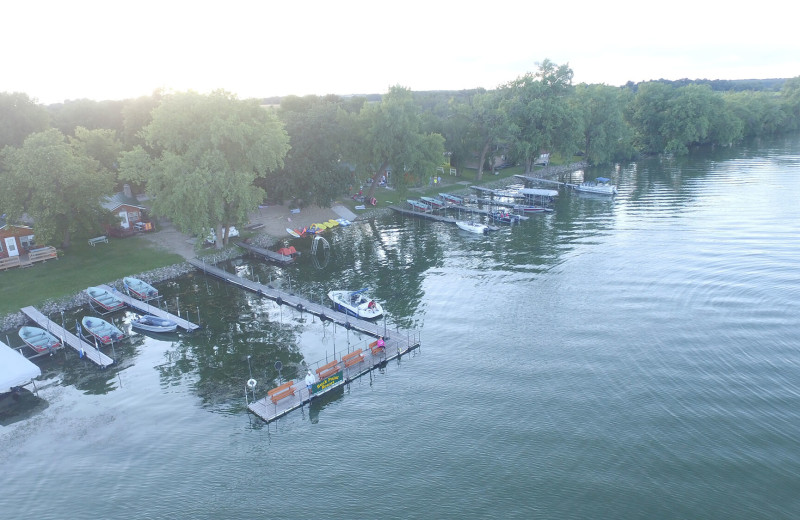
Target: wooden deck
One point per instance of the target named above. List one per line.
(469, 212)
(68, 338)
(269, 411)
(273, 256)
(146, 308)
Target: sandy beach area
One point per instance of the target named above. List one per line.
(272, 221)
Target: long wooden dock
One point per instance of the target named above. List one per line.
(444, 218)
(146, 308)
(397, 338)
(269, 411)
(68, 338)
(273, 256)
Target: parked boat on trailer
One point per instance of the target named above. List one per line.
(103, 299)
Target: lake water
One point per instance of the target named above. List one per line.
(627, 358)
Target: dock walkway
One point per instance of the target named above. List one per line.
(68, 338)
(443, 218)
(398, 338)
(145, 307)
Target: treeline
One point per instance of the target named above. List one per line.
(207, 159)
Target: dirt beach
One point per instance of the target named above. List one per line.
(272, 221)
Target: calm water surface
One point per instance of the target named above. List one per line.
(626, 358)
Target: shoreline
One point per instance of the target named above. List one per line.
(271, 218)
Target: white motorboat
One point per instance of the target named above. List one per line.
(601, 186)
(471, 226)
(356, 303)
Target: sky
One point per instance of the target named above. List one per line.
(119, 49)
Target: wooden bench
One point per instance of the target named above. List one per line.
(11, 261)
(42, 254)
(375, 349)
(327, 370)
(97, 240)
(353, 358)
(279, 392)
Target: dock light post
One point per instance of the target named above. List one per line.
(278, 366)
(250, 370)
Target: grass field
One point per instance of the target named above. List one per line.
(77, 268)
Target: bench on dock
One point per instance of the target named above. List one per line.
(375, 349)
(279, 392)
(327, 370)
(96, 240)
(353, 358)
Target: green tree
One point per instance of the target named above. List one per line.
(318, 130)
(20, 116)
(483, 124)
(538, 115)
(211, 150)
(101, 145)
(648, 113)
(87, 113)
(56, 184)
(606, 134)
(391, 135)
(790, 98)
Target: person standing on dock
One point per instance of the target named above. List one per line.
(310, 380)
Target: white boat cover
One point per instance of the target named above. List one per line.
(15, 369)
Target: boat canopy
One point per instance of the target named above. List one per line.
(538, 192)
(15, 369)
(603, 179)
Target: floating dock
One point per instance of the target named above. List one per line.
(444, 218)
(352, 365)
(68, 338)
(273, 256)
(146, 308)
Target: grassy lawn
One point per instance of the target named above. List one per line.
(78, 268)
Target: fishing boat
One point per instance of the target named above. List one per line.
(104, 299)
(356, 303)
(504, 216)
(472, 226)
(102, 330)
(139, 289)
(417, 205)
(152, 323)
(39, 339)
(433, 203)
(600, 186)
(452, 199)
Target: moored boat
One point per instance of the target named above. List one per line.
(102, 330)
(39, 339)
(356, 303)
(600, 186)
(417, 205)
(104, 299)
(433, 203)
(139, 289)
(472, 226)
(152, 323)
(452, 199)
